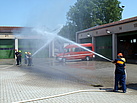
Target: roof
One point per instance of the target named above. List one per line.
(9, 28)
(110, 24)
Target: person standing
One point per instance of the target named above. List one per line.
(17, 57)
(25, 58)
(20, 56)
(120, 75)
(29, 59)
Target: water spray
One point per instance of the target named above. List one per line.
(84, 48)
(52, 35)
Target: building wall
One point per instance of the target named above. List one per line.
(32, 45)
(104, 46)
(107, 38)
(86, 40)
(8, 43)
(7, 48)
(127, 44)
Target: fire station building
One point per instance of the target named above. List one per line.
(112, 38)
(9, 42)
(108, 40)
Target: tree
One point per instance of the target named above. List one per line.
(89, 13)
(68, 31)
(108, 11)
(79, 14)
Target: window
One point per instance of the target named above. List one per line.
(77, 49)
(90, 48)
(67, 50)
(73, 49)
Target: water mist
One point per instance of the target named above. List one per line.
(46, 37)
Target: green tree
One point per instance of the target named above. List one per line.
(79, 14)
(107, 11)
(68, 31)
(89, 13)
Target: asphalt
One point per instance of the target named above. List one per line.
(48, 81)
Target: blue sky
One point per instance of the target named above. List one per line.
(34, 12)
(45, 12)
(130, 9)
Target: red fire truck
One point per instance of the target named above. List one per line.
(81, 51)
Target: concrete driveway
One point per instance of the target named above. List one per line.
(49, 81)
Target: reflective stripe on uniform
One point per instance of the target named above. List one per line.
(120, 62)
(123, 59)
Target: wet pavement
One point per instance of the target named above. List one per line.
(49, 81)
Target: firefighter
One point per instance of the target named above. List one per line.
(120, 75)
(20, 56)
(29, 59)
(25, 58)
(17, 56)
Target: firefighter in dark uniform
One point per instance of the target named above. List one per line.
(120, 75)
(17, 57)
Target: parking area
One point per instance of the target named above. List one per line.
(49, 81)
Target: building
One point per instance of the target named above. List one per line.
(28, 43)
(112, 38)
(7, 41)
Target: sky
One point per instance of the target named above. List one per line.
(130, 9)
(49, 13)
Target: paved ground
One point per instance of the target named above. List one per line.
(71, 82)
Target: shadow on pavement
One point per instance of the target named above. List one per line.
(132, 86)
(107, 89)
(110, 90)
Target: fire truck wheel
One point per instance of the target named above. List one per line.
(87, 58)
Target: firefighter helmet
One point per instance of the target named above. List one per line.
(120, 54)
(19, 50)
